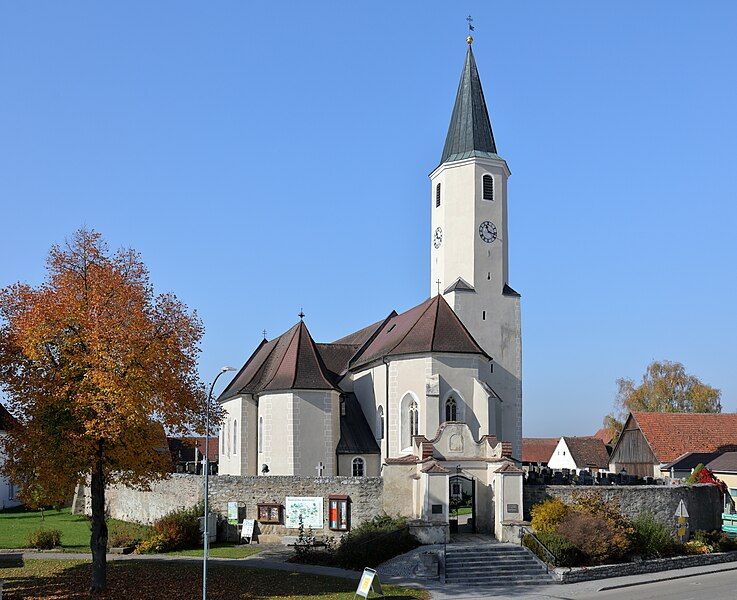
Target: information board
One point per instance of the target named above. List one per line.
(247, 530)
(311, 509)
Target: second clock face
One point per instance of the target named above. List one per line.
(487, 231)
(437, 238)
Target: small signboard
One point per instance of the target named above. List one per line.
(247, 530)
(233, 513)
(513, 508)
(369, 581)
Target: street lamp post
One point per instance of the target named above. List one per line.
(205, 529)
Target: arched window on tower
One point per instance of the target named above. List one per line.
(358, 467)
(488, 187)
(451, 409)
(235, 437)
(409, 420)
(380, 423)
(437, 195)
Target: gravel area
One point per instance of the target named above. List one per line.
(406, 564)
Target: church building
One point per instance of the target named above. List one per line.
(419, 397)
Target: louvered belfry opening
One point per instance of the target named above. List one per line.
(488, 187)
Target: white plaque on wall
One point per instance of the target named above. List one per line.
(309, 507)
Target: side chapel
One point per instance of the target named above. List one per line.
(423, 398)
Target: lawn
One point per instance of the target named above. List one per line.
(17, 524)
(152, 580)
(221, 550)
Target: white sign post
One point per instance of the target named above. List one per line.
(369, 581)
(247, 530)
(682, 521)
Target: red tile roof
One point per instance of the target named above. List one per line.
(588, 452)
(536, 450)
(671, 435)
(605, 435)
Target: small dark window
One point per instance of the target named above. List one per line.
(451, 409)
(437, 195)
(488, 276)
(483, 315)
(492, 367)
(437, 509)
(358, 467)
(488, 187)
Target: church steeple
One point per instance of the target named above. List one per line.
(470, 132)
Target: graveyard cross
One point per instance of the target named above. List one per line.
(319, 469)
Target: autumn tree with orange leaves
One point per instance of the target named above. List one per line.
(96, 367)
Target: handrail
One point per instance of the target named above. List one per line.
(528, 530)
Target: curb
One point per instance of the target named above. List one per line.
(662, 579)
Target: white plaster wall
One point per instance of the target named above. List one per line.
(7, 491)
(485, 266)
(229, 462)
(407, 375)
(277, 447)
(562, 458)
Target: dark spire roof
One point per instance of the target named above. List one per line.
(289, 362)
(470, 132)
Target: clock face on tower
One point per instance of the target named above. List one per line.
(487, 231)
(437, 239)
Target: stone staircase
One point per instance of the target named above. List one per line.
(494, 564)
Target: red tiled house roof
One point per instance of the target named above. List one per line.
(536, 450)
(671, 435)
(588, 452)
(605, 435)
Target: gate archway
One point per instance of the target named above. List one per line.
(462, 504)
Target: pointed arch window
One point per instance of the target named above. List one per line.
(488, 187)
(451, 409)
(235, 437)
(413, 420)
(358, 467)
(437, 195)
(380, 423)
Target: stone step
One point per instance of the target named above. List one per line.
(489, 561)
(532, 567)
(470, 552)
(502, 580)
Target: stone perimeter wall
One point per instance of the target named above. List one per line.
(704, 502)
(578, 574)
(181, 490)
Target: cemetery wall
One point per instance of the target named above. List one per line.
(704, 502)
(185, 490)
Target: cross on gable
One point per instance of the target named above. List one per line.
(319, 468)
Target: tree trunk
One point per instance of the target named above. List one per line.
(98, 541)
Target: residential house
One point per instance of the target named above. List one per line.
(537, 451)
(651, 441)
(8, 492)
(188, 453)
(722, 464)
(580, 454)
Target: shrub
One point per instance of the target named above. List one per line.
(595, 536)
(125, 535)
(696, 547)
(565, 553)
(179, 530)
(726, 543)
(44, 539)
(650, 537)
(694, 476)
(547, 515)
(374, 542)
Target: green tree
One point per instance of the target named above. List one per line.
(665, 387)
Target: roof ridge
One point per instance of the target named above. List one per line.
(278, 367)
(406, 333)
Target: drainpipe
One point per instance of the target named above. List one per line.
(386, 412)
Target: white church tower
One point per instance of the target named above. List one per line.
(470, 244)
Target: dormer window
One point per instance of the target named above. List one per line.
(488, 187)
(437, 195)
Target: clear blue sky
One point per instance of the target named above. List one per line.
(269, 156)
